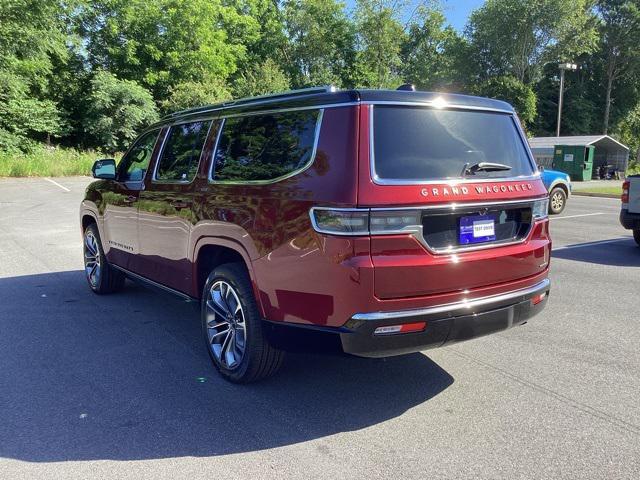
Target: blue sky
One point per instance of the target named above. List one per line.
(456, 12)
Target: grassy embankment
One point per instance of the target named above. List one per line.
(612, 190)
(47, 162)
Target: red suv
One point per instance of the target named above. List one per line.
(369, 221)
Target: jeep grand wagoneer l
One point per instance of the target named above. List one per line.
(381, 222)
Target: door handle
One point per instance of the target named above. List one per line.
(179, 204)
(130, 199)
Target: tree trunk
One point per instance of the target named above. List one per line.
(607, 105)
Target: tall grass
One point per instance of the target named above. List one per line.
(45, 161)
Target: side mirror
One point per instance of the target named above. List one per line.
(104, 169)
(540, 168)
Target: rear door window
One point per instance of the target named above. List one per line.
(418, 144)
(181, 152)
(265, 147)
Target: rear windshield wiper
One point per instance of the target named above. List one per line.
(483, 167)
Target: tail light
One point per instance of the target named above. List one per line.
(351, 221)
(625, 192)
(337, 221)
(364, 221)
(394, 221)
(540, 209)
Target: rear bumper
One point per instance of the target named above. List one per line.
(445, 324)
(630, 221)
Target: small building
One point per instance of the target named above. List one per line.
(607, 150)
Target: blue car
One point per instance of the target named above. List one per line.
(559, 187)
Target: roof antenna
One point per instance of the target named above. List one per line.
(407, 87)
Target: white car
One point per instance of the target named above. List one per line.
(630, 213)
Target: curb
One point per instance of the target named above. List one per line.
(588, 194)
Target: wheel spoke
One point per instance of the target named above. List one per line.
(225, 345)
(91, 245)
(230, 355)
(216, 308)
(218, 300)
(218, 334)
(225, 324)
(218, 324)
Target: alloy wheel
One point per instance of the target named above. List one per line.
(92, 265)
(226, 327)
(557, 201)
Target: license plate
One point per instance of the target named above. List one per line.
(477, 229)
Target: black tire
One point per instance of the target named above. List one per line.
(259, 359)
(557, 200)
(107, 279)
(636, 236)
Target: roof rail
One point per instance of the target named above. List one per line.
(250, 100)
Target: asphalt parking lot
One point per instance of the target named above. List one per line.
(121, 386)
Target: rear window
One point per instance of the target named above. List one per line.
(265, 147)
(414, 144)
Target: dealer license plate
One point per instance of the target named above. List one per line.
(477, 229)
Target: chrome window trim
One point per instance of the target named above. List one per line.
(293, 173)
(154, 178)
(544, 285)
(221, 113)
(447, 181)
(416, 230)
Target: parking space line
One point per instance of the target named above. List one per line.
(57, 184)
(591, 244)
(576, 216)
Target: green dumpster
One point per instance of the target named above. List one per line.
(576, 160)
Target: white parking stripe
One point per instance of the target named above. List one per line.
(591, 244)
(57, 184)
(576, 216)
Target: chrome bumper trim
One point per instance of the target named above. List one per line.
(463, 305)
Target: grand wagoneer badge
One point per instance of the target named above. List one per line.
(479, 189)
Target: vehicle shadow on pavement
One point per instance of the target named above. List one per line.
(126, 377)
(622, 253)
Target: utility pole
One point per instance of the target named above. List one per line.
(563, 67)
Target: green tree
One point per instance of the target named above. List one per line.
(628, 132)
(517, 37)
(427, 59)
(620, 50)
(581, 107)
(263, 78)
(32, 36)
(195, 94)
(321, 47)
(21, 115)
(380, 38)
(117, 110)
(511, 90)
(164, 43)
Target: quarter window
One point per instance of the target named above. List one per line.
(265, 147)
(181, 152)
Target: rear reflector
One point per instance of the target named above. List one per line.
(404, 328)
(538, 298)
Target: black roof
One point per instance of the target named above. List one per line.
(329, 96)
